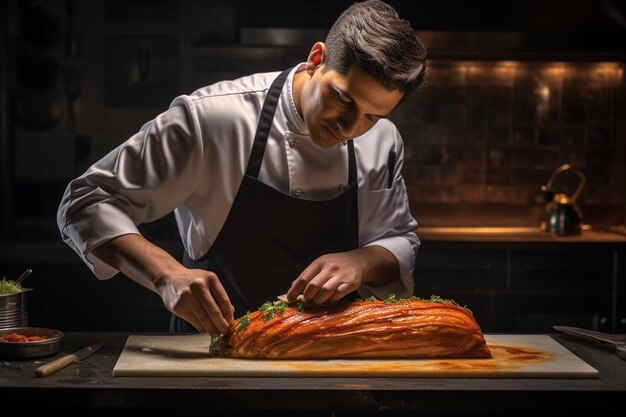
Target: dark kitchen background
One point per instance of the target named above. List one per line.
(515, 89)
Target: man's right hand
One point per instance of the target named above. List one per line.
(195, 295)
(198, 297)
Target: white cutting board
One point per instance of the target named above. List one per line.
(514, 356)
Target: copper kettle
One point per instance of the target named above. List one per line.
(562, 215)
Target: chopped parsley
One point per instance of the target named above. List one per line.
(243, 322)
(437, 299)
(270, 308)
(391, 299)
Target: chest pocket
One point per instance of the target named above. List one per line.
(381, 210)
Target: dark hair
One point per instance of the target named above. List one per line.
(373, 36)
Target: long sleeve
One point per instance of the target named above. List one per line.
(385, 220)
(140, 181)
(191, 160)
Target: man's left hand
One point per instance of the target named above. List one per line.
(332, 276)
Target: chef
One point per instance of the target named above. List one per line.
(280, 182)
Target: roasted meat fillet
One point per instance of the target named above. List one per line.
(409, 328)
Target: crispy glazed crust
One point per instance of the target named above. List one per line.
(360, 329)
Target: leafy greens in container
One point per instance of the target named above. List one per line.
(9, 287)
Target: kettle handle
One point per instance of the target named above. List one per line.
(563, 168)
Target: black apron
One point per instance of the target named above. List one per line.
(270, 237)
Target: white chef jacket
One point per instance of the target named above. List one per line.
(192, 158)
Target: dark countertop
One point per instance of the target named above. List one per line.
(515, 235)
(83, 388)
(523, 238)
(57, 252)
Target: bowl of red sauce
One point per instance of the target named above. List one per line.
(29, 342)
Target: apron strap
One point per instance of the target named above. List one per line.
(265, 125)
(351, 163)
(352, 209)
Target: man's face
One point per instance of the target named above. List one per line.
(337, 107)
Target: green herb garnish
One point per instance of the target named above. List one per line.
(437, 299)
(368, 299)
(270, 308)
(243, 322)
(391, 299)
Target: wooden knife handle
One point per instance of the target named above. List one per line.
(56, 365)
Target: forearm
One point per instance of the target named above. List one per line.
(195, 295)
(140, 260)
(379, 265)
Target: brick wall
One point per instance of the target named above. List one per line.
(492, 132)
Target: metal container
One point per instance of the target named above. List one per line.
(30, 350)
(13, 309)
(562, 216)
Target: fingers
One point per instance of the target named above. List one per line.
(329, 278)
(203, 302)
(195, 319)
(212, 318)
(329, 286)
(342, 290)
(298, 286)
(322, 289)
(218, 293)
(214, 303)
(318, 291)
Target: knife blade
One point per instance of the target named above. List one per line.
(618, 341)
(62, 362)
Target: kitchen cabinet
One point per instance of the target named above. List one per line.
(528, 285)
(467, 276)
(556, 286)
(533, 312)
(516, 285)
(68, 297)
(620, 292)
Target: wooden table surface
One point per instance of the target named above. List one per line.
(89, 388)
